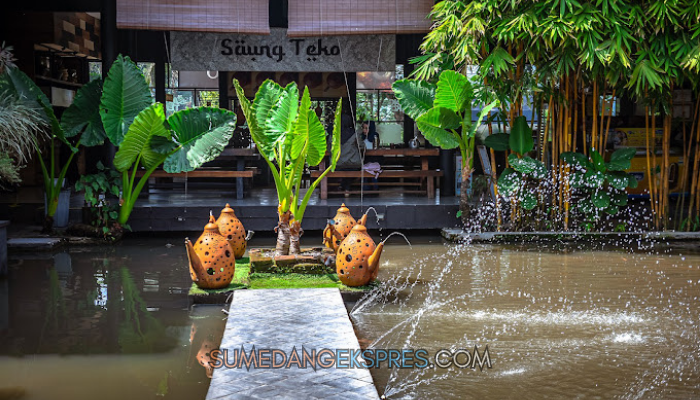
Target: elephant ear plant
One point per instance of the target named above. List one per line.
(146, 138)
(601, 183)
(516, 181)
(289, 136)
(79, 125)
(443, 112)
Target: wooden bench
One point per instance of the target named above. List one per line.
(207, 173)
(428, 175)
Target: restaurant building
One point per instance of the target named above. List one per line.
(190, 52)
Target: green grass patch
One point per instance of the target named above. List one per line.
(240, 280)
(244, 279)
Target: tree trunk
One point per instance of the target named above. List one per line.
(282, 248)
(294, 239)
(463, 198)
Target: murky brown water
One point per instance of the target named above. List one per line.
(113, 322)
(562, 323)
(104, 322)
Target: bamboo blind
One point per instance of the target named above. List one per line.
(347, 17)
(239, 16)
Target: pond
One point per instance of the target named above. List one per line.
(109, 322)
(558, 321)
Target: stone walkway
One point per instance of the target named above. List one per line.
(284, 319)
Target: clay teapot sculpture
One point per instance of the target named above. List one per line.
(357, 260)
(339, 227)
(232, 228)
(212, 263)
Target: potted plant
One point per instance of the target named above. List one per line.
(289, 136)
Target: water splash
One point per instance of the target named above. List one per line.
(400, 234)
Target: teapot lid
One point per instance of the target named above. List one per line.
(212, 226)
(343, 209)
(359, 228)
(227, 209)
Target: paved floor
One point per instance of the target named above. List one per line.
(284, 319)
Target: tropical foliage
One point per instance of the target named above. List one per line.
(146, 139)
(443, 112)
(570, 59)
(79, 125)
(289, 136)
(601, 183)
(21, 126)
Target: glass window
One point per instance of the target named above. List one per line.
(376, 102)
(176, 100)
(95, 69)
(208, 98)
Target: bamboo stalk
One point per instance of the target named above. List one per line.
(607, 126)
(648, 157)
(695, 172)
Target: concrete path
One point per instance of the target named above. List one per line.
(284, 319)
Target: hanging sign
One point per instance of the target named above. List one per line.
(208, 51)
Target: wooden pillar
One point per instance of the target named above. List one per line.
(108, 36)
(223, 90)
(160, 81)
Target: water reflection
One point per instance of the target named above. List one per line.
(110, 320)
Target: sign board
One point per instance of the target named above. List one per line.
(201, 51)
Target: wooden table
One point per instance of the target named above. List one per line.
(240, 155)
(424, 172)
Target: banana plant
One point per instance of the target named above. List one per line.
(443, 112)
(80, 125)
(289, 136)
(147, 139)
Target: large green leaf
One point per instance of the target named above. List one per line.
(257, 132)
(529, 201)
(453, 91)
(283, 114)
(523, 165)
(147, 124)
(600, 199)
(434, 123)
(594, 179)
(621, 159)
(521, 136)
(598, 161)
(26, 90)
(415, 97)
(498, 141)
(309, 135)
(335, 140)
(124, 96)
(202, 133)
(509, 182)
(84, 115)
(576, 159)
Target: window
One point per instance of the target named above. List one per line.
(376, 102)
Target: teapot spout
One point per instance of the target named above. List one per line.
(363, 220)
(374, 258)
(196, 267)
(249, 235)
